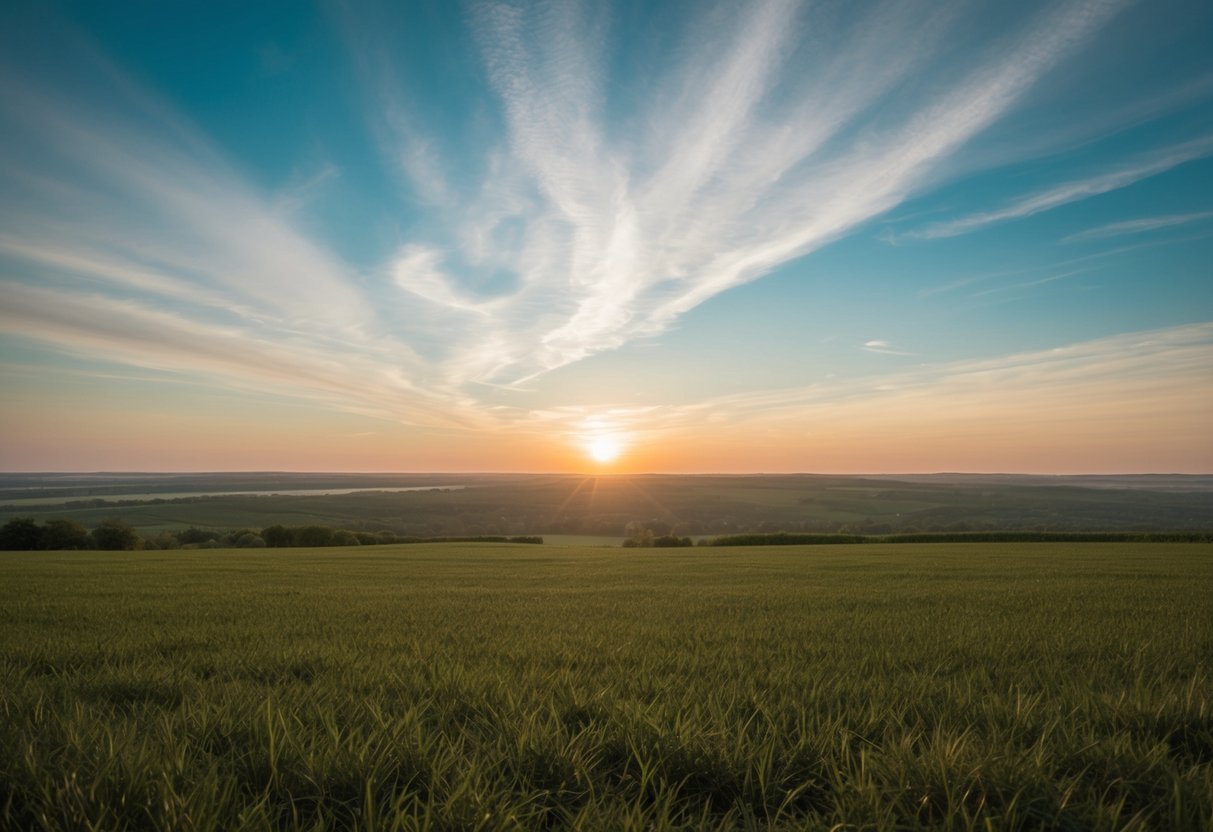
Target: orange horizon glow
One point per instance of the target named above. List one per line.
(1080, 416)
(554, 252)
(1043, 442)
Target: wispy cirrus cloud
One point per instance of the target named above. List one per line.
(106, 187)
(1073, 191)
(1057, 270)
(1089, 385)
(884, 348)
(1029, 284)
(1137, 226)
(127, 237)
(581, 223)
(344, 377)
(747, 148)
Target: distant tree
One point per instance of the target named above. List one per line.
(165, 540)
(313, 536)
(116, 535)
(64, 534)
(341, 537)
(638, 535)
(278, 535)
(249, 540)
(193, 535)
(20, 534)
(232, 537)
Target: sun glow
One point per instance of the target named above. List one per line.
(603, 448)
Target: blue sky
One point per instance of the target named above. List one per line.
(730, 236)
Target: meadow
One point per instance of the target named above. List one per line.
(605, 506)
(478, 686)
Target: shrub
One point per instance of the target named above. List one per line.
(164, 540)
(193, 535)
(20, 534)
(64, 534)
(312, 536)
(116, 535)
(278, 535)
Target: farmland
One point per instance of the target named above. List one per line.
(604, 506)
(482, 686)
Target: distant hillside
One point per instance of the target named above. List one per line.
(504, 504)
(1133, 482)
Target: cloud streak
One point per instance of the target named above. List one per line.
(1120, 379)
(107, 190)
(585, 219)
(884, 348)
(749, 149)
(133, 333)
(1073, 191)
(1137, 226)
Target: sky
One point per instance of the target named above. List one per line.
(616, 237)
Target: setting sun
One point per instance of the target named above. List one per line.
(603, 448)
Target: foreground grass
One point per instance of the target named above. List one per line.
(1042, 686)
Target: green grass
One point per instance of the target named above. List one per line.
(583, 540)
(697, 505)
(1004, 686)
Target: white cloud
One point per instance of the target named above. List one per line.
(1029, 284)
(771, 130)
(884, 348)
(418, 270)
(1058, 195)
(1137, 226)
(749, 146)
(136, 185)
(128, 331)
(1122, 377)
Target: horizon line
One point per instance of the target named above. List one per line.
(617, 474)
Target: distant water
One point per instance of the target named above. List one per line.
(173, 495)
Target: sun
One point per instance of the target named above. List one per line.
(603, 448)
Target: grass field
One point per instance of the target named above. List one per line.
(1002, 686)
(602, 507)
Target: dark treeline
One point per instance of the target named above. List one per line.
(25, 534)
(790, 539)
(663, 506)
(661, 541)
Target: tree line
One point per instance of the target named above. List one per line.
(786, 539)
(26, 534)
